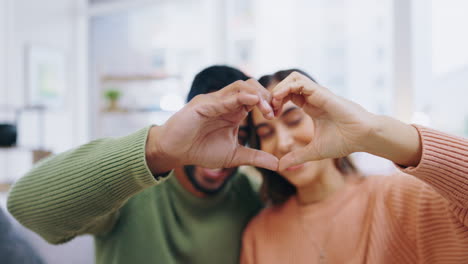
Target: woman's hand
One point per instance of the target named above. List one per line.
(205, 131)
(341, 126)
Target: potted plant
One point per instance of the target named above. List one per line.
(113, 95)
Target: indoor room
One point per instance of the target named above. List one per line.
(112, 72)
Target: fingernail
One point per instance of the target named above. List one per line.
(267, 105)
(276, 103)
(270, 115)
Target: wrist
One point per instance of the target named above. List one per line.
(158, 159)
(375, 134)
(394, 140)
(369, 132)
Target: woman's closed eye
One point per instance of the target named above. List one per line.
(293, 117)
(264, 131)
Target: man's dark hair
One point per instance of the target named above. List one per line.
(213, 79)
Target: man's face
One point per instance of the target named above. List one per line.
(211, 181)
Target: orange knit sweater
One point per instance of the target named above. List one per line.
(417, 217)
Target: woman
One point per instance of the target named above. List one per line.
(322, 211)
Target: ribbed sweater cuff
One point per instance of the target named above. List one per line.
(443, 164)
(129, 173)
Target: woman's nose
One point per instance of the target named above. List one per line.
(285, 141)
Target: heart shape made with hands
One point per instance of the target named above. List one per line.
(205, 131)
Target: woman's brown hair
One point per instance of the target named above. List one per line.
(275, 188)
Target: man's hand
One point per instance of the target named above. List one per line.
(204, 132)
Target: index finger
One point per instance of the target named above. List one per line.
(264, 105)
(294, 83)
(264, 93)
(251, 88)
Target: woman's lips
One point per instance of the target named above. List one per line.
(294, 168)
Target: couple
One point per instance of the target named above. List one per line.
(319, 208)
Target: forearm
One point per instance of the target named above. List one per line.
(394, 140)
(79, 191)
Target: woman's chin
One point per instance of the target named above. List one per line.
(300, 175)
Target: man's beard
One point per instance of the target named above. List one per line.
(190, 171)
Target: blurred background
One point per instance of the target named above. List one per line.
(75, 70)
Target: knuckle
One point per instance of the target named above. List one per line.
(198, 99)
(238, 86)
(238, 83)
(294, 74)
(297, 75)
(251, 80)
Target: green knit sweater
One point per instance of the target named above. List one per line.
(105, 188)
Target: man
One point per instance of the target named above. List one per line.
(112, 188)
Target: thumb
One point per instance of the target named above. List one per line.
(299, 156)
(254, 157)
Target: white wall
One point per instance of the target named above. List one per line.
(276, 41)
(51, 24)
(61, 25)
(3, 23)
(136, 31)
